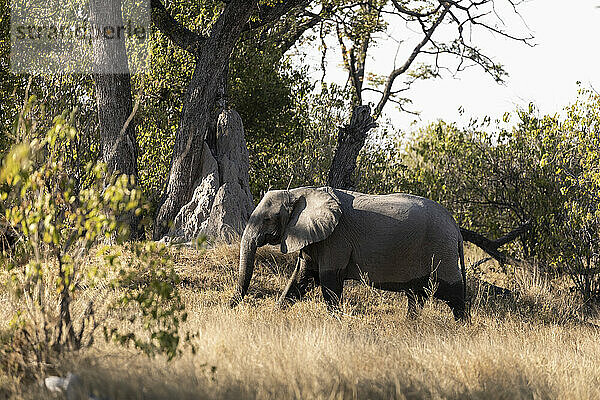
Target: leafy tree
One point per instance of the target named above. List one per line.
(57, 93)
(493, 181)
(576, 162)
(272, 95)
(8, 82)
(543, 173)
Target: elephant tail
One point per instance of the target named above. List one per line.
(461, 255)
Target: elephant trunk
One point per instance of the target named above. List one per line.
(248, 247)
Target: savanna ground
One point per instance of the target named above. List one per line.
(530, 345)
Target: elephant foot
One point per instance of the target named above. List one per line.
(412, 314)
(454, 297)
(235, 301)
(335, 311)
(332, 301)
(285, 302)
(460, 312)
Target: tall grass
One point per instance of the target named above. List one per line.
(518, 346)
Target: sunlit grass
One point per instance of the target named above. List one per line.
(526, 346)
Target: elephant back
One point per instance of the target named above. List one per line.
(400, 237)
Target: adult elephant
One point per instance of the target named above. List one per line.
(398, 242)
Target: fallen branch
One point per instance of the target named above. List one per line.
(478, 263)
(491, 246)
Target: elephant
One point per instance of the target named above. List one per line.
(397, 242)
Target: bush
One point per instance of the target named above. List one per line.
(57, 225)
(576, 162)
(148, 286)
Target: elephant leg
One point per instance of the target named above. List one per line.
(332, 284)
(459, 310)
(307, 280)
(291, 289)
(452, 294)
(299, 283)
(416, 300)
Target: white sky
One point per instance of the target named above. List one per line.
(567, 34)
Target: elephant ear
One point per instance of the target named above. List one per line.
(314, 216)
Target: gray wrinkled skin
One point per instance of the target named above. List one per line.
(397, 242)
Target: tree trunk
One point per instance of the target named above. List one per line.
(351, 139)
(221, 202)
(113, 98)
(202, 104)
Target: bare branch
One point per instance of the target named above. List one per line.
(512, 235)
(404, 10)
(399, 71)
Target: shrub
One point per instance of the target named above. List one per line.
(57, 224)
(576, 162)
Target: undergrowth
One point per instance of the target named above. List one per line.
(528, 342)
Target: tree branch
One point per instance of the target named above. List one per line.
(406, 11)
(288, 41)
(175, 31)
(399, 71)
(512, 235)
(268, 14)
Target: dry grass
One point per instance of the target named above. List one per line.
(528, 346)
